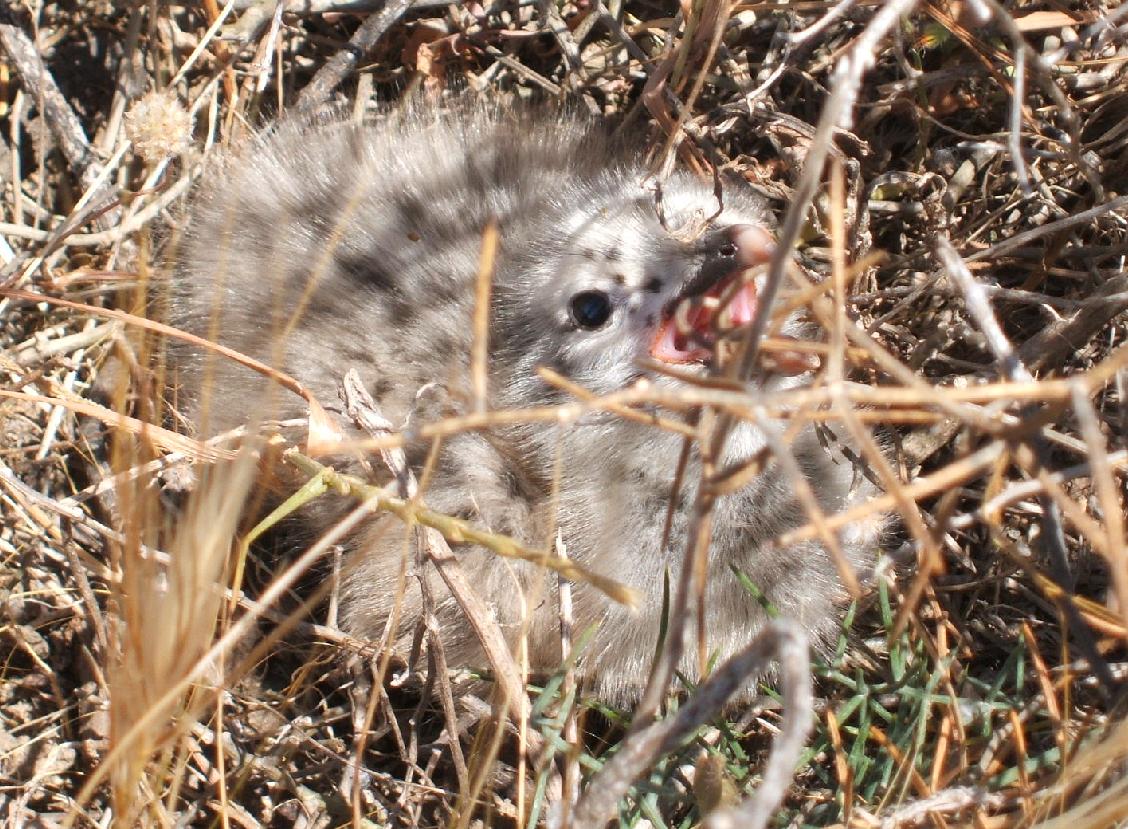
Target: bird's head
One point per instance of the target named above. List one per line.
(660, 276)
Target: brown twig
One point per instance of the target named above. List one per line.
(337, 68)
(39, 83)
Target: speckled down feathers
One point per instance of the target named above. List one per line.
(324, 247)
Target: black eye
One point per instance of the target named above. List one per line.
(728, 249)
(591, 309)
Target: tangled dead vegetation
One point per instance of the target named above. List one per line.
(952, 179)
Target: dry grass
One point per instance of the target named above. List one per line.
(968, 241)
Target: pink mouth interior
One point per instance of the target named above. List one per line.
(688, 335)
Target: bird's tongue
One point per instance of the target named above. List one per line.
(688, 334)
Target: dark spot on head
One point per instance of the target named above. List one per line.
(588, 253)
(381, 387)
(413, 210)
(322, 306)
(619, 279)
(413, 236)
(365, 271)
(613, 255)
(357, 355)
(466, 513)
(401, 310)
(653, 285)
(445, 343)
(657, 504)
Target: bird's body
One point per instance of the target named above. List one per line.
(322, 248)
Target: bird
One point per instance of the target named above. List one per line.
(322, 245)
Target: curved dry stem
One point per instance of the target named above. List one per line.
(458, 531)
(781, 638)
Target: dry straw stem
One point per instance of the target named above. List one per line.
(835, 113)
(152, 326)
(479, 354)
(152, 716)
(964, 402)
(166, 617)
(39, 349)
(1109, 495)
(165, 463)
(164, 438)
(458, 531)
(1109, 807)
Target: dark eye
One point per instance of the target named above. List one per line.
(591, 309)
(728, 249)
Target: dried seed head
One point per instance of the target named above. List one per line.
(158, 126)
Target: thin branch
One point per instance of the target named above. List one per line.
(781, 638)
(342, 64)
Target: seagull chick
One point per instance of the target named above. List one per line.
(319, 248)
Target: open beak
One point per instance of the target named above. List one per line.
(716, 305)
